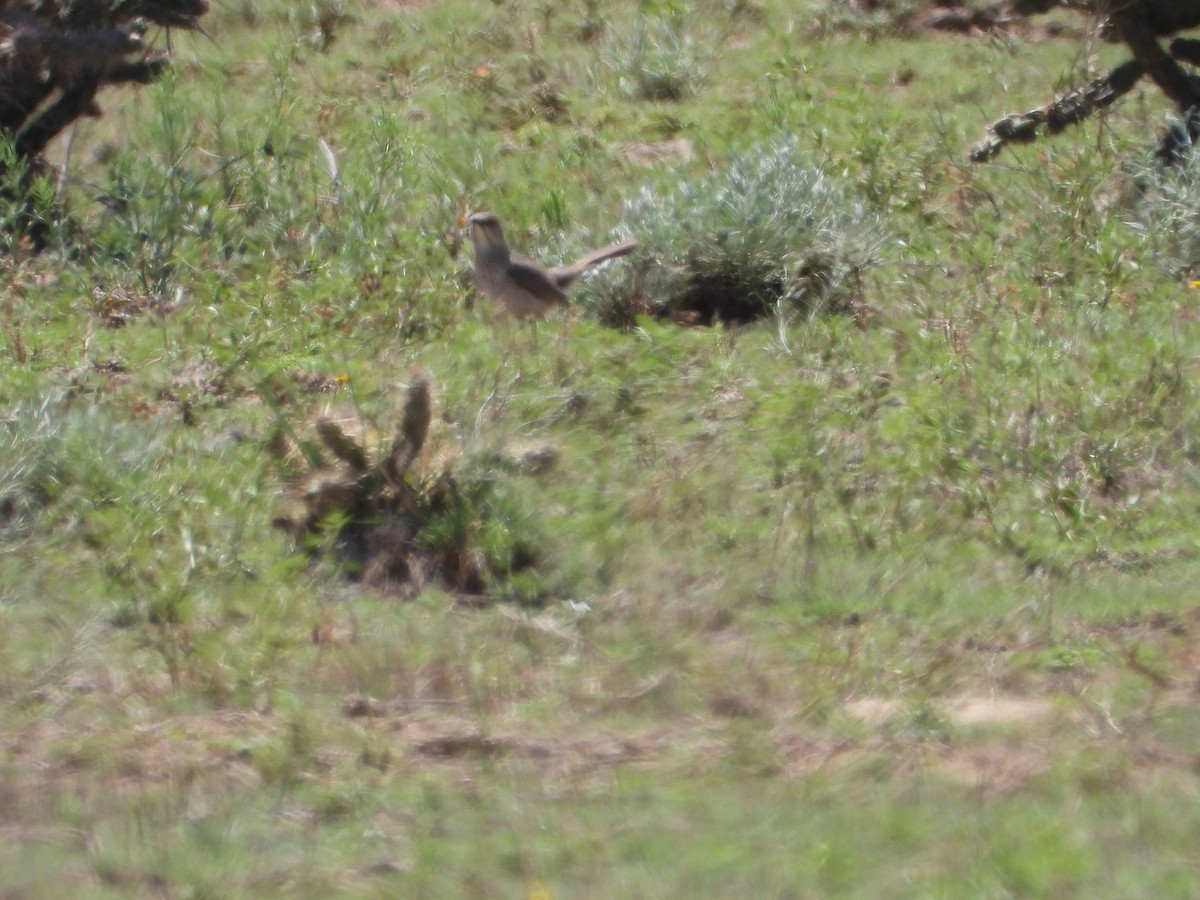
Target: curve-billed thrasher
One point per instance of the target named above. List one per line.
(526, 289)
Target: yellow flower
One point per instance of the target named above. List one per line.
(342, 378)
(1194, 284)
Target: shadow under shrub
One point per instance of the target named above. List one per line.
(773, 232)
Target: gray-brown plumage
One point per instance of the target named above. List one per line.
(527, 290)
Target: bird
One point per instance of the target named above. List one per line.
(525, 289)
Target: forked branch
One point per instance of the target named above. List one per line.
(1138, 24)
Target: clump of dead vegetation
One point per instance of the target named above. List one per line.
(773, 232)
(389, 525)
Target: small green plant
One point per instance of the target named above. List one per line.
(775, 230)
(30, 466)
(1168, 214)
(657, 59)
(28, 205)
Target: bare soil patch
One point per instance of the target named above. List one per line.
(994, 766)
(967, 711)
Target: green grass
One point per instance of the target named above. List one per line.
(896, 604)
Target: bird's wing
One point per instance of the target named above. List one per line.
(536, 281)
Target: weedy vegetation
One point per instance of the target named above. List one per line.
(657, 58)
(840, 543)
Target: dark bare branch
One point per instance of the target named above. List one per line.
(56, 55)
(76, 101)
(1138, 24)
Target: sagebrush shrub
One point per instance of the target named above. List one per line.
(773, 230)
